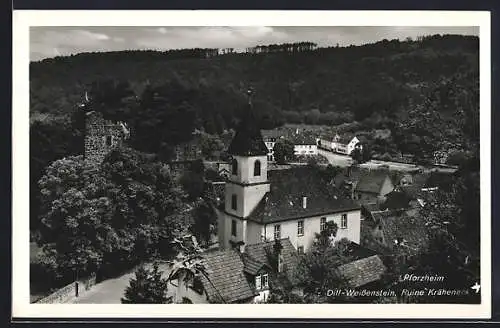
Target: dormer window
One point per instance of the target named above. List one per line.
(256, 168)
(262, 281)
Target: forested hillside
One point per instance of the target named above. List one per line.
(424, 91)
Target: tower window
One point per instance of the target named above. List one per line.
(256, 169)
(234, 204)
(233, 228)
(235, 167)
(109, 140)
(343, 221)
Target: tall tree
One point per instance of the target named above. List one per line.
(147, 287)
(283, 152)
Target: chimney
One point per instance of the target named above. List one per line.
(304, 202)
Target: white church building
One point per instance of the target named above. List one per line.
(262, 205)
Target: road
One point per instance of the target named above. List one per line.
(109, 291)
(344, 161)
(336, 159)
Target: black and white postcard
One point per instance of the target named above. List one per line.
(322, 164)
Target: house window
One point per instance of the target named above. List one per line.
(277, 231)
(343, 221)
(300, 228)
(256, 169)
(235, 167)
(258, 282)
(233, 228)
(234, 204)
(265, 281)
(109, 140)
(300, 250)
(322, 224)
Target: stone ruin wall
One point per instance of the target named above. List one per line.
(97, 130)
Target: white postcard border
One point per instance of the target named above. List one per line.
(22, 20)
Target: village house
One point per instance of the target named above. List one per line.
(373, 186)
(304, 144)
(261, 205)
(234, 276)
(339, 144)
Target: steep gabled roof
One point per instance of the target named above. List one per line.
(262, 252)
(288, 187)
(247, 140)
(372, 181)
(346, 138)
(251, 265)
(302, 139)
(226, 278)
(363, 271)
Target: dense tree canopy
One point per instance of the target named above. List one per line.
(101, 219)
(147, 287)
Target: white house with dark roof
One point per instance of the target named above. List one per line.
(304, 144)
(261, 205)
(339, 144)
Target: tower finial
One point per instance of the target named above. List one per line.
(250, 94)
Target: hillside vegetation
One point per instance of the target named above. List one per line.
(425, 92)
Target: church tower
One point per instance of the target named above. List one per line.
(247, 183)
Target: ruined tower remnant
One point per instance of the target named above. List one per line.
(102, 136)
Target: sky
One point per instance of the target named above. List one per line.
(46, 42)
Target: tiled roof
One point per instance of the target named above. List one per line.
(227, 279)
(251, 265)
(247, 140)
(262, 251)
(285, 199)
(371, 181)
(396, 200)
(402, 227)
(302, 139)
(274, 133)
(227, 268)
(355, 174)
(363, 271)
(345, 139)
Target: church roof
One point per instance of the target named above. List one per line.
(285, 199)
(247, 140)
